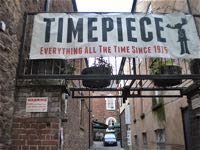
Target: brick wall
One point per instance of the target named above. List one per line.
(44, 127)
(76, 135)
(36, 131)
(35, 134)
(99, 109)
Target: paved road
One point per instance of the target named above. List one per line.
(99, 146)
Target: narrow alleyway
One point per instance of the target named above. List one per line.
(99, 146)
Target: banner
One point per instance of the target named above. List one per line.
(83, 35)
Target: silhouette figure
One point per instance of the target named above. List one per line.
(182, 38)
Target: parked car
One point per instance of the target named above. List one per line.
(109, 139)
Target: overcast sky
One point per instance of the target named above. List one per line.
(104, 5)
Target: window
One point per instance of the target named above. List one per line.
(111, 122)
(160, 139)
(110, 103)
(145, 143)
(136, 143)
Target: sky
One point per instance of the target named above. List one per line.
(104, 5)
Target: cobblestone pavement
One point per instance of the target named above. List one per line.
(99, 146)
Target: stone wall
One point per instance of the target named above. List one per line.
(13, 98)
(9, 44)
(11, 13)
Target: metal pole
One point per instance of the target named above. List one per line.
(89, 120)
(190, 145)
(189, 7)
(47, 4)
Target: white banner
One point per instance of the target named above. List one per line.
(83, 35)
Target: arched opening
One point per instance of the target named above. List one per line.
(111, 121)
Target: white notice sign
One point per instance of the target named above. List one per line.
(36, 104)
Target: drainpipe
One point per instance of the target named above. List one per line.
(189, 7)
(189, 100)
(89, 121)
(134, 6)
(46, 6)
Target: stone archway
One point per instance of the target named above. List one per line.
(110, 121)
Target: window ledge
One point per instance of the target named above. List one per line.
(110, 109)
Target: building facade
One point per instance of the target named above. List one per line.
(160, 122)
(64, 122)
(105, 110)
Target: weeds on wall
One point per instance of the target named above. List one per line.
(158, 109)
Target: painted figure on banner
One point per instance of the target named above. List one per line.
(182, 38)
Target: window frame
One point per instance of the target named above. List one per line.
(108, 107)
(160, 144)
(136, 142)
(145, 141)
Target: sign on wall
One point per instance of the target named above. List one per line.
(36, 104)
(83, 35)
(129, 142)
(127, 115)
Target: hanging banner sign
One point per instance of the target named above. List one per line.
(83, 35)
